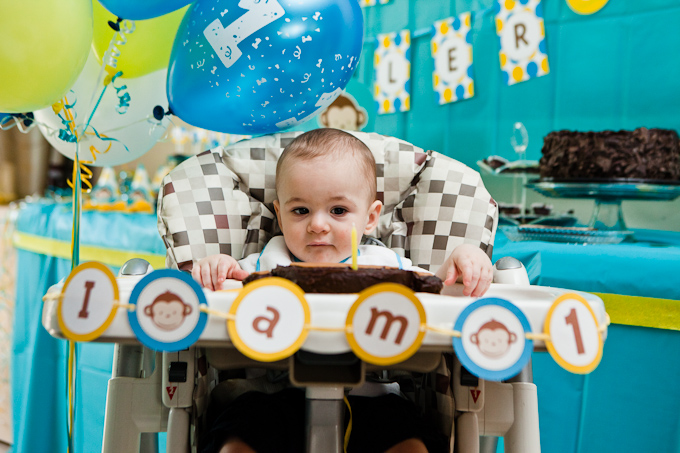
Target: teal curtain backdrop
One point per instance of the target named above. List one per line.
(615, 69)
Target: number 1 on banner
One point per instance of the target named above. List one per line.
(573, 321)
(575, 340)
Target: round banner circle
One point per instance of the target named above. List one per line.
(88, 302)
(586, 7)
(575, 340)
(167, 315)
(386, 324)
(492, 344)
(269, 319)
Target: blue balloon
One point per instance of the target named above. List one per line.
(260, 66)
(142, 9)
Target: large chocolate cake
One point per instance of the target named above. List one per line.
(340, 278)
(652, 154)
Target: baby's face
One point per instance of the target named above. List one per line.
(318, 201)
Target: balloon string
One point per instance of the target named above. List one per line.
(71, 387)
(75, 259)
(112, 54)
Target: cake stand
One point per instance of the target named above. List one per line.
(606, 224)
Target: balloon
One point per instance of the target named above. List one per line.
(142, 9)
(136, 128)
(253, 67)
(146, 49)
(44, 47)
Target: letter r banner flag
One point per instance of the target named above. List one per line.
(521, 33)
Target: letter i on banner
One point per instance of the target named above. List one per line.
(451, 46)
(392, 64)
(521, 32)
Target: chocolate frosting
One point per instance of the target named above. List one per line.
(639, 154)
(342, 279)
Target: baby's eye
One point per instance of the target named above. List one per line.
(338, 211)
(300, 211)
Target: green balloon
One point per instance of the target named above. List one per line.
(147, 48)
(45, 44)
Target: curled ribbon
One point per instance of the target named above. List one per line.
(125, 27)
(23, 121)
(85, 177)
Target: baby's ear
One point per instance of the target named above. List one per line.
(373, 216)
(277, 208)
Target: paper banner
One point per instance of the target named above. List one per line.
(575, 339)
(167, 315)
(521, 32)
(492, 344)
(88, 302)
(385, 325)
(269, 319)
(451, 47)
(392, 64)
(373, 2)
(586, 6)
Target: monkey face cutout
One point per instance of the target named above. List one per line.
(493, 339)
(168, 311)
(344, 113)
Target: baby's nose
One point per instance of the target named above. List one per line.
(318, 224)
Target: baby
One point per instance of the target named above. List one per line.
(326, 185)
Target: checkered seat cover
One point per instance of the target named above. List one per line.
(221, 201)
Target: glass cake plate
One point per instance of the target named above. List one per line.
(605, 189)
(575, 235)
(514, 168)
(606, 224)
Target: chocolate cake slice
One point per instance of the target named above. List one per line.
(341, 278)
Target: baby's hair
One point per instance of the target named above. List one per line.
(330, 142)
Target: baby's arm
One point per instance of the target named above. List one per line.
(473, 265)
(212, 271)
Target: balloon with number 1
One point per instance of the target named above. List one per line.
(255, 67)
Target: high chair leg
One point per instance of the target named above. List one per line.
(178, 431)
(488, 444)
(133, 404)
(325, 427)
(523, 436)
(467, 433)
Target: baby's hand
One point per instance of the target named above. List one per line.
(212, 271)
(473, 265)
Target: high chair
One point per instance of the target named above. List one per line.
(221, 201)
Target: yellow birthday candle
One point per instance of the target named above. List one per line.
(355, 266)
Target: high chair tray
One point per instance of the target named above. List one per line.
(331, 310)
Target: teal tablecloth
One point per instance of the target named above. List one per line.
(39, 360)
(630, 403)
